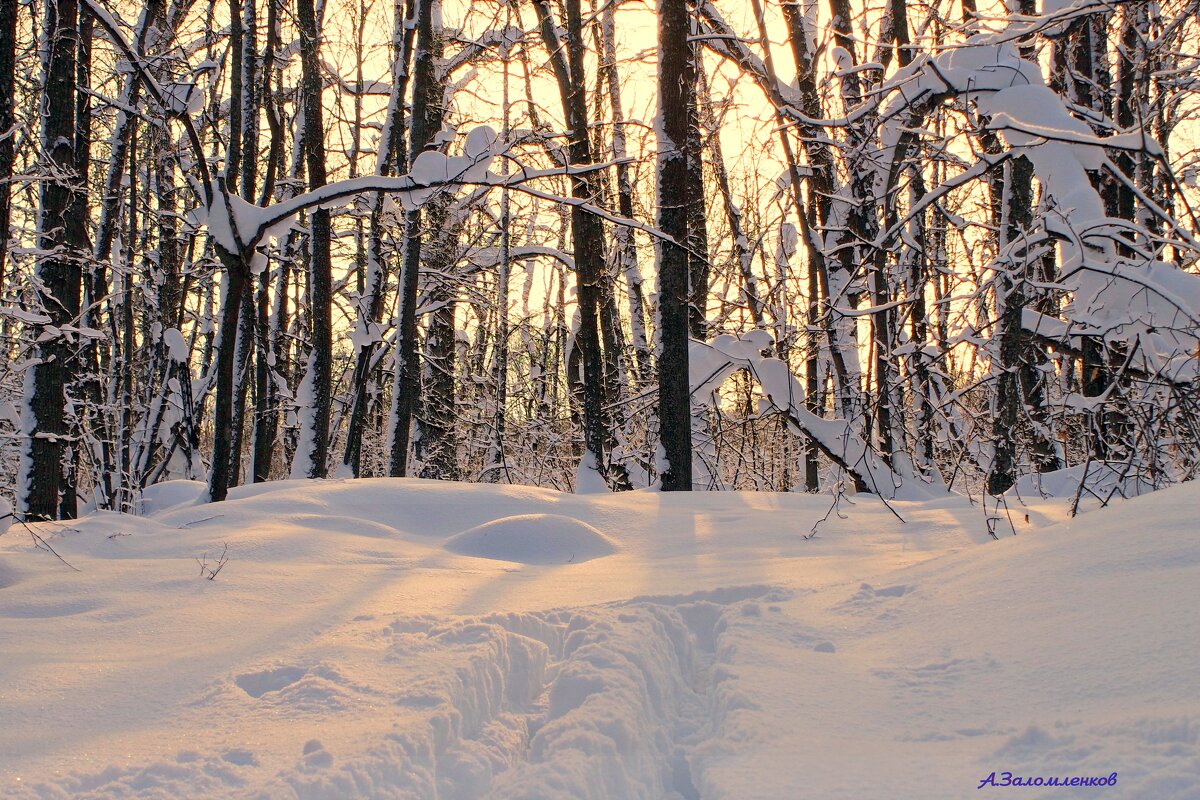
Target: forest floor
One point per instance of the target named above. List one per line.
(366, 639)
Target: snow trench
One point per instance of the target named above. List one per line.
(596, 703)
(608, 701)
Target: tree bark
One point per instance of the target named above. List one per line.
(236, 278)
(315, 464)
(426, 121)
(676, 90)
(587, 234)
(8, 131)
(44, 422)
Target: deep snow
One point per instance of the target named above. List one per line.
(381, 638)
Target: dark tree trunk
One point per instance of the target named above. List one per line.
(439, 440)
(587, 233)
(426, 120)
(59, 272)
(241, 169)
(676, 90)
(237, 278)
(1018, 389)
(247, 326)
(171, 301)
(1015, 191)
(268, 359)
(1081, 74)
(8, 134)
(816, 210)
(76, 229)
(250, 101)
(266, 415)
(697, 223)
(320, 266)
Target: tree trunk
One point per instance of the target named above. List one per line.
(313, 461)
(8, 132)
(268, 360)
(77, 235)
(587, 234)
(438, 438)
(44, 422)
(426, 121)
(697, 223)
(370, 310)
(236, 278)
(626, 245)
(676, 90)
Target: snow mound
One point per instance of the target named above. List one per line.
(170, 494)
(9, 575)
(1105, 480)
(533, 539)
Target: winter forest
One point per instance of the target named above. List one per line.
(590, 399)
(874, 245)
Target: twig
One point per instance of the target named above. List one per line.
(839, 494)
(42, 544)
(198, 521)
(210, 573)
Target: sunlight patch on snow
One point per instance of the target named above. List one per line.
(713, 651)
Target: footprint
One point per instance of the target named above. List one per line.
(316, 756)
(868, 598)
(256, 684)
(936, 677)
(420, 700)
(240, 757)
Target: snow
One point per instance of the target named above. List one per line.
(1149, 306)
(22, 315)
(711, 363)
(1105, 479)
(533, 539)
(176, 345)
(233, 222)
(305, 408)
(170, 494)
(346, 650)
(588, 479)
(183, 98)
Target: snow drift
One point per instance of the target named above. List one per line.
(533, 539)
(346, 650)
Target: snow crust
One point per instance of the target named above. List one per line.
(344, 650)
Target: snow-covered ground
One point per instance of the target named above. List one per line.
(366, 639)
